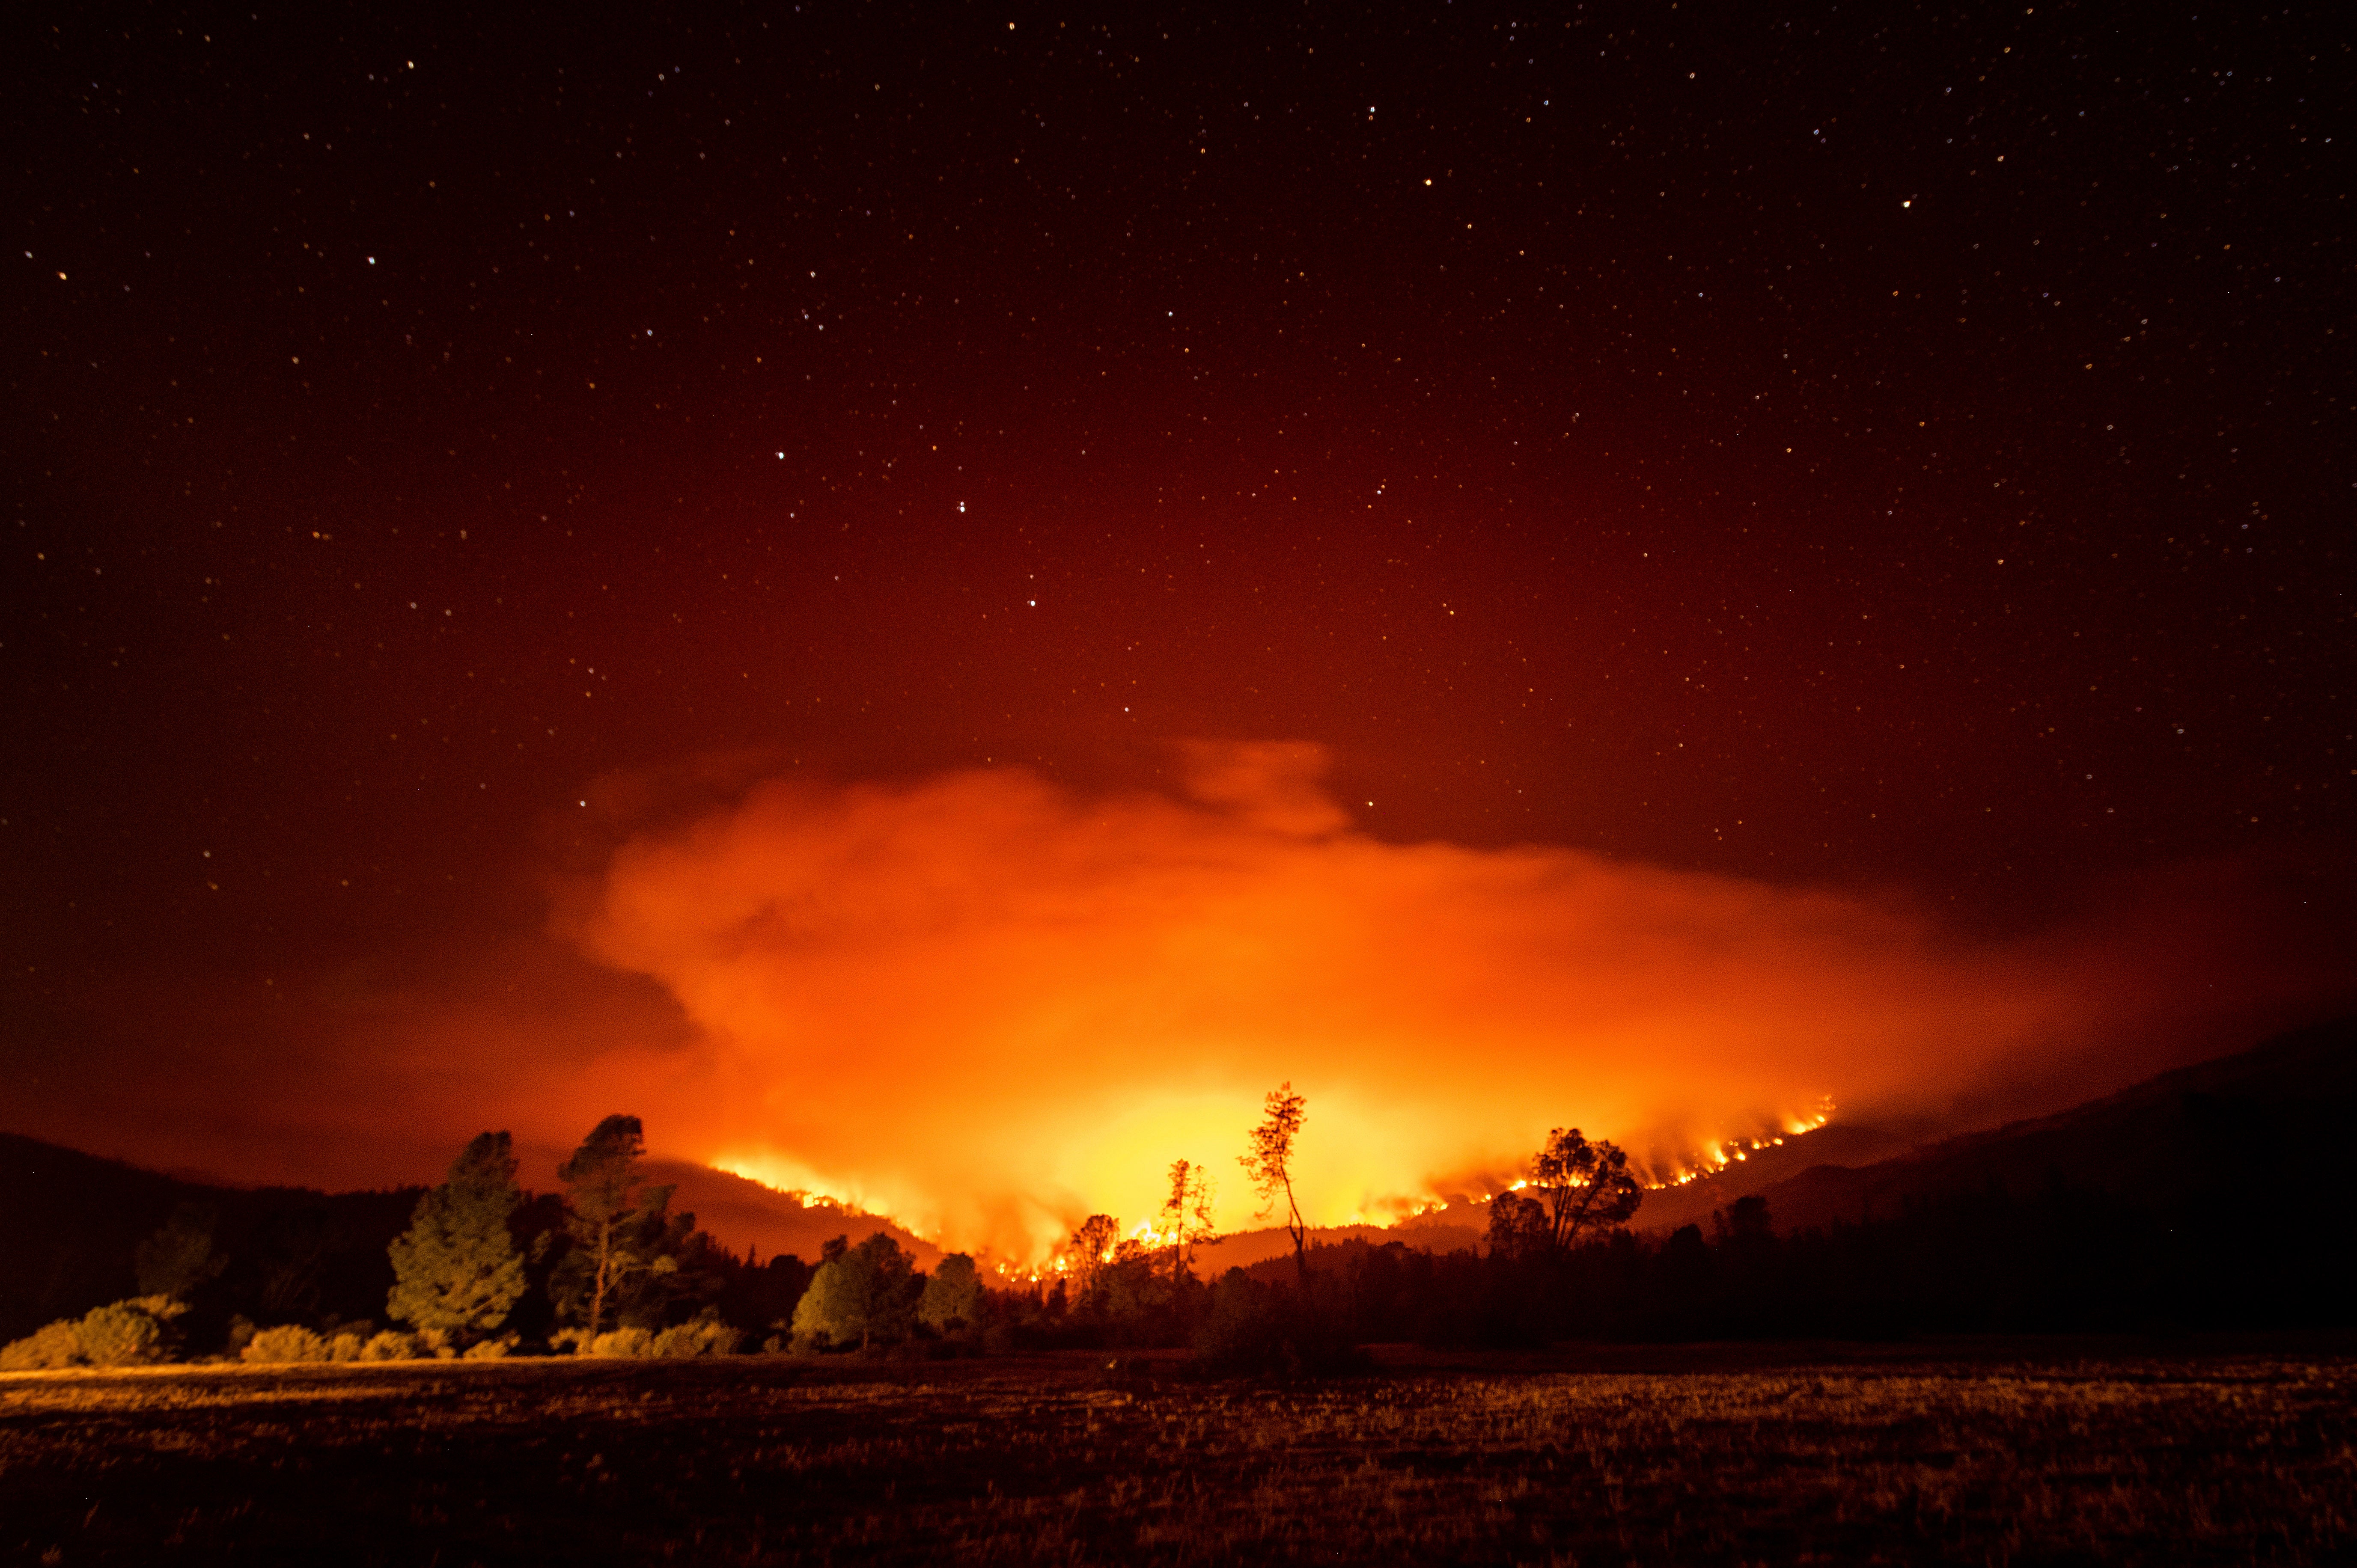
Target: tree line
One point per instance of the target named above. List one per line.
(605, 1267)
(484, 1269)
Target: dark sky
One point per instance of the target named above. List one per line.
(1890, 448)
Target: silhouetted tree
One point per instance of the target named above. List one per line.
(1746, 1227)
(1133, 1294)
(761, 1297)
(1186, 1216)
(1584, 1185)
(457, 1267)
(1270, 1165)
(297, 1243)
(179, 1259)
(1089, 1251)
(620, 1233)
(1518, 1227)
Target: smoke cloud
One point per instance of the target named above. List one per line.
(989, 1005)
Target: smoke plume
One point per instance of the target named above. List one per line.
(988, 1005)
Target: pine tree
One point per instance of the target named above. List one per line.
(624, 1263)
(458, 1268)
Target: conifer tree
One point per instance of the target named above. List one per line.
(458, 1268)
(626, 1241)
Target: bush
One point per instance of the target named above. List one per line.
(45, 1349)
(486, 1350)
(345, 1347)
(707, 1336)
(135, 1333)
(390, 1347)
(618, 1342)
(286, 1342)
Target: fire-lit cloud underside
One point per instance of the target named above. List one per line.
(989, 1006)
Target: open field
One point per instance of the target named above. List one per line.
(1955, 1454)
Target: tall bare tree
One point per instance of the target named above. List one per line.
(1584, 1185)
(1270, 1165)
(1186, 1216)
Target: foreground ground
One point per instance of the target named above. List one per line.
(1980, 1454)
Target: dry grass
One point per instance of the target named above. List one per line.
(2057, 1458)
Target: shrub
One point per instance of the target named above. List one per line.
(345, 1347)
(487, 1350)
(44, 1350)
(286, 1342)
(390, 1347)
(135, 1333)
(618, 1342)
(707, 1336)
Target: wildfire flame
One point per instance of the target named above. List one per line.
(989, 1007)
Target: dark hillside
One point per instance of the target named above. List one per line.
(744, 1213)
(2253, 1137)
(1840, 1144)
(71, 1227)
(2215, 1197)
(295, 1255)
(287, 1254)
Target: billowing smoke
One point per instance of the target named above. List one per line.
(988, 1005)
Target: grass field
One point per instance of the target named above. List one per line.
(1957, 1454)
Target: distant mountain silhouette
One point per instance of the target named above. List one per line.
(2211, 1189)
(1431, 1233)
(741, 1213)
(75, 1220)
(1837, 1146)
(2260, 1130)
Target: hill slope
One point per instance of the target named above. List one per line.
(2259, 1131)
(74, 1224)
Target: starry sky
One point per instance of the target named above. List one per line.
(1904, 451)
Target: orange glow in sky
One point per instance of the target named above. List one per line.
(989, 1006)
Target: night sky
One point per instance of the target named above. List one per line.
(1890, 450)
